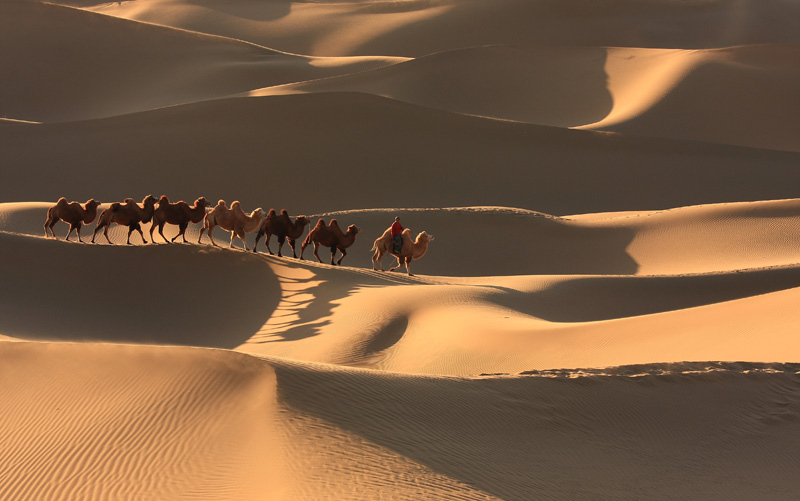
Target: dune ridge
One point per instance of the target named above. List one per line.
(655, 92)
(608, 309)
(264, 140)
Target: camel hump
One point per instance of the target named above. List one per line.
(221, 203)
(334, 223)
(272, 213)
(284, 212)
(61, 200)
(406, 231)
(115, 206)
(320, 223)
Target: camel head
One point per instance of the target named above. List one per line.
(353, 229)
(92, 204)
(424, 237)
(302, 220)
(201, 202)
(149, 201)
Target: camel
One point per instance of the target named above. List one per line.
(282, 227)
(409, 251)
(233, 220)
(128, 213)
(71, 213)
(179, 214)
(330, 236)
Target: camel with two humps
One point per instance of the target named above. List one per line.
(71, 213)
(330, 236)
(179, 214)
(232, 219)
(410, 250)
(282, 227)
(128, 213)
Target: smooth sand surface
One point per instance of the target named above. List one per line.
(607, 310)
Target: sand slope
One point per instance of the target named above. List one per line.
(608, 309)
(369, 151)
(656, 92)
(114, 66)
(575, 311)
(187, 423)
(415, 28)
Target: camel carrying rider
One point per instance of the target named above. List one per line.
(397, 235)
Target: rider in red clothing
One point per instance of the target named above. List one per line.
(397, 235)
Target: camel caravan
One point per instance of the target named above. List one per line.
(160, 212)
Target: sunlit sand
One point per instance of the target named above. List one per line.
(606, 307)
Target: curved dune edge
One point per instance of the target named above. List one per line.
(130, 422)
(437, 324)
(357, 139)
(415, 28)
(140, 67)
(655, 92)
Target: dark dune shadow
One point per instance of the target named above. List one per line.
(602, 298)
(485, 431)
(178, 294)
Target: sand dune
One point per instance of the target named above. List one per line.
(656, 92)
(140, 66)
(182, 423)
(369, 151)
(351, 316)
(608, 309)
(415, 28)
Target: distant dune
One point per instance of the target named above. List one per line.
(607, 310)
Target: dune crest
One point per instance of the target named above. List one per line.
(608, 310)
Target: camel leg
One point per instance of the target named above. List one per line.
(152, 228)
(211, 236)
(201, 233)
(377, 260)
(130, 230)
(281, 240)
(233, 236)
(141, 233)
(97, 228)
(292, 241)
(243, 237)
(344, 253)
(48, 225)
(408, 266)
(181, 232)
(105, 233)
(333, 255)
(160, 232)
(71, 229)
(78, 227)
(302, 249)
(258, 237)
(316, 248)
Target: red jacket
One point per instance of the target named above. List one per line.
(397, 228)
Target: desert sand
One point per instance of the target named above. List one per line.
(608, 309)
